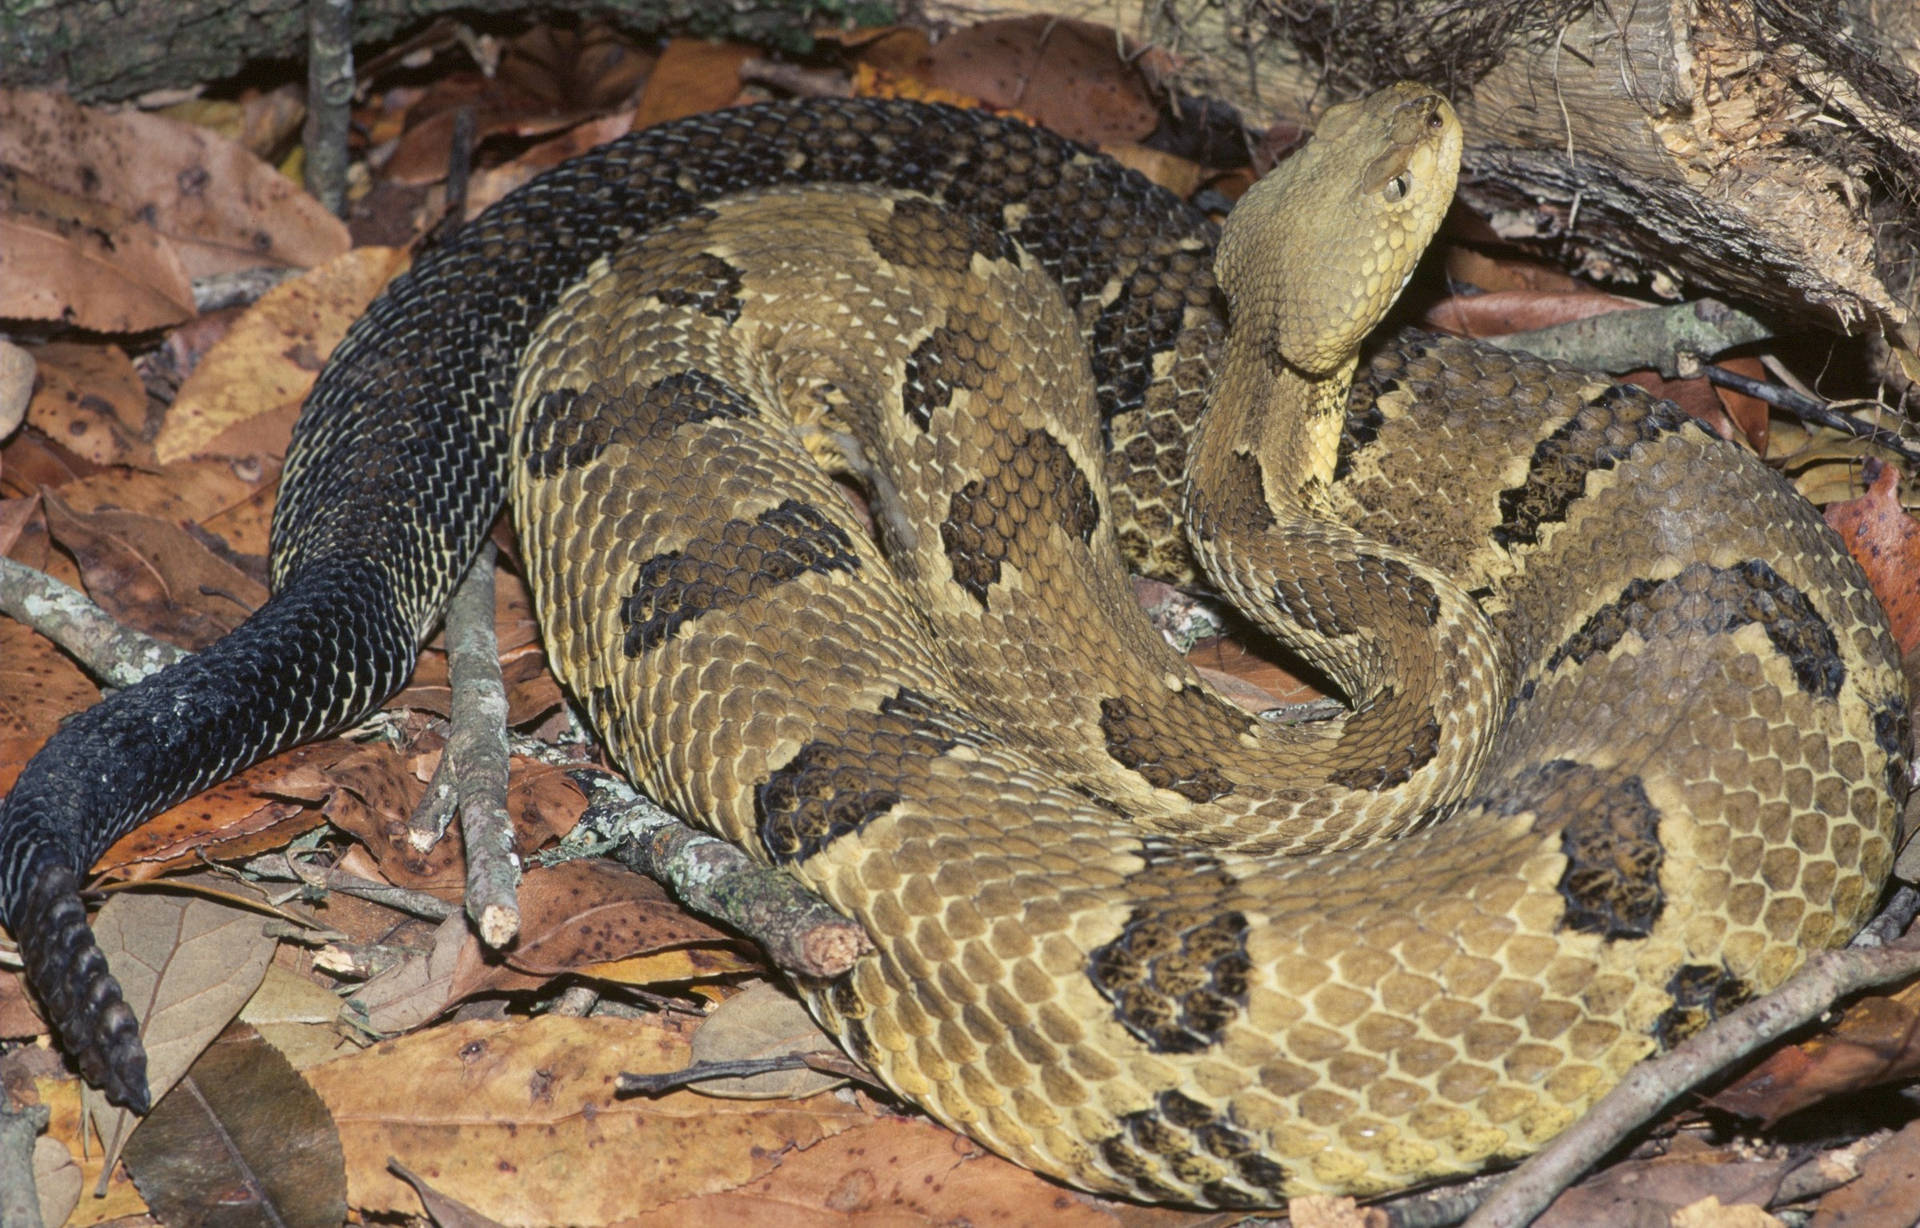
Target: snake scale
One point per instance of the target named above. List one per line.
(1625, 739)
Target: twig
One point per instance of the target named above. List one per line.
(1652, 1085)
(1437, 1208)
(278, 867)
(474, 762)
(240, 288)
(459, 171)
(700, 1072)
(116, 654)
(800, 932)
(1810, 409)
(329, 100)
(19, 1204)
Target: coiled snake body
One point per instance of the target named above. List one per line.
(1626, 736)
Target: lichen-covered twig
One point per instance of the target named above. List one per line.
(472, 777)
(329, 100)
(19, 1204)
(116, 654)
(800, 932)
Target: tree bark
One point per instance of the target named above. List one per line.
(112, 50)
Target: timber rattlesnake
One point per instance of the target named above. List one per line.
(1627, 738)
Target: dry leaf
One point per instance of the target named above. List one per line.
(762, 1021)
(63, 1098)
(418, 989)
(889, 1170)
(1886, 541)
(243, 1132)
(155, 575)
(1709, 1212)
(1073, 76)
(1876, 1041)
(234, 819)
(68, 259)
(1886, 1194)
(185, 965)
(269, 359)
(446, 1212)
(517, 1119)
(17, 372)
(223, 208)
(1651, 1191)
(92, 401)
(39, 687)
(57, 1180)
(692, 75)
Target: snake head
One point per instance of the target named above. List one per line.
(1315, 253)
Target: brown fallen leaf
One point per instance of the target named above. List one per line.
(269, 359)
(39, 687)
(67, 259)
(154, 574)
(446, 1212)
(186, 965)
(887, 1170)
(1886, 541)
(222, 208)
(692, 75)
(1876, 1041)
(1072, 76)
(230, 821)
(761, 1021)
(243, 1132)
(418, 989)
(92, 401)
(490, 184)
(62, 1096)
(578, 914)
(1886, 1194)
(517, 1119)
(1652, 1191)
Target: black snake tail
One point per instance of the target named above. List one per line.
(116, 764)
(397, 467)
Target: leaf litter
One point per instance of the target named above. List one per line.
(148, 480)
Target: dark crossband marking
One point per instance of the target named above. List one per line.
(1347, 594)
(1150, 743)
(1362, 429)
(1701, 993)
(826, 790)
(948, 359)
(919, 234)
(1028, 483)
(1893, 733)
(1177, 974)
(742, 561)
(1599, 437)
(710, 286)
(1709, 600)
(1200, 1147)
(1236, 504)
(570, 427)
(1373, 771)
(1144, 320)
(1611, 885)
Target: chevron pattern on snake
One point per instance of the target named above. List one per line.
(1626, 736)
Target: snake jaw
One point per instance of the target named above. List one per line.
(83, 1001)
(1315, 253)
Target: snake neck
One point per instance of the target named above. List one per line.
(1285, 418)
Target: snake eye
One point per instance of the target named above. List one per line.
(1397, 188)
